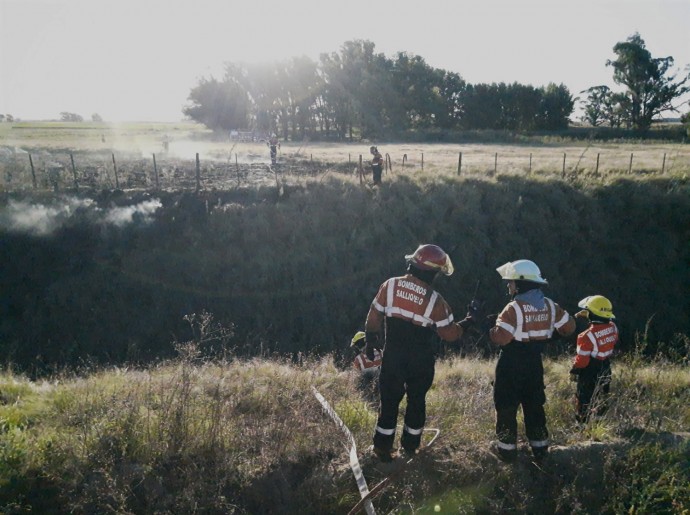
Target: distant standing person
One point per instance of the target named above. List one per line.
(404, 316)
(521, 330)
(376, 164)
(592, 368)
(273, 145)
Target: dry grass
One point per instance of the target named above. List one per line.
(249, 437)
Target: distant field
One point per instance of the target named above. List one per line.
(54, 141)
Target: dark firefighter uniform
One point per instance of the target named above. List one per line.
(376, 165)
(413, 311)
(521, 330)
(592, 364)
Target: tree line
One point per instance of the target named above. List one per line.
(359, 93)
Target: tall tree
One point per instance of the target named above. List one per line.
(218, 105)
(650, 87)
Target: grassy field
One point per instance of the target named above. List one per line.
(249, 437)
(135, 143)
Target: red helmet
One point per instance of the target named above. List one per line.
(431, 257)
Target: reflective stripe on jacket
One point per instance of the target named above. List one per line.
(362, 363)
(523, 322)
(595, 342)
(412, 300)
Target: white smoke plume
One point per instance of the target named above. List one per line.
(40, 219)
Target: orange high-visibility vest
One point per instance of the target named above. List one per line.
(596, 342)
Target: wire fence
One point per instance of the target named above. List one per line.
(63, 171)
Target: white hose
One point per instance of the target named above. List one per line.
(354, 461)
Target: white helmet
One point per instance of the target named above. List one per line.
(521, 270)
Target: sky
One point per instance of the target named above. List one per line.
(137, 60)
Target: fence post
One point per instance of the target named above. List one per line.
(404, 160)
(530, 163)
(33, 172)
(663, 163)
(198, 174)
(459, 163)
(74, 172)
(422, 160)
(596, 170)
(117, 181)
(630, 167)
(563, 171)
(495, 162)
(155, 170)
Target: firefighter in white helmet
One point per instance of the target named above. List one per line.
(409, 312)
(592, 367)
(521, 330)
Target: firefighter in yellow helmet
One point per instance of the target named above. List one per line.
(521, 330)
(409, 312)
(592, 367)
(367, 369)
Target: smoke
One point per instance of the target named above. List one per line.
(39, 219)
(142, 212)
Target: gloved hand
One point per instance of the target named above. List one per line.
(582, 314)
(474, 310)
(574, 373)
(372, 340)
(488, 322)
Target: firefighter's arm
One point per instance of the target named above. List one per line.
(502, 333)
(373, 327)
(564, 323)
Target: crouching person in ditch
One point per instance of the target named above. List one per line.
(367, 369)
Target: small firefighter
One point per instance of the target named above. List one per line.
(409, 312)
(376, 164)
(368, 369)
(521, 330)
(592, 367)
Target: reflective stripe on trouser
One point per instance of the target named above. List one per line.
(394, 383)
(519, 382)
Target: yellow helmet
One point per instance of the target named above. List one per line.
(598, 305)
(358, 339)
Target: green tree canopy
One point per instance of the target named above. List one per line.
(650, 87)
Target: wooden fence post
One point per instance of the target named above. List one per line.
(237, 169)
(459, 163)
(33, 172)
(422, 160)
(630, 167)
(74, 173)
(198, 174)
(404, 160)
(155, 171)
(389, 163)
(563, 171)
(663, 163)
(596, 170)
(117, 181)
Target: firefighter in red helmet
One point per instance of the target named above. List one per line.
(409, 311)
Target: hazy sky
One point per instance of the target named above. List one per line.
(138, 59)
